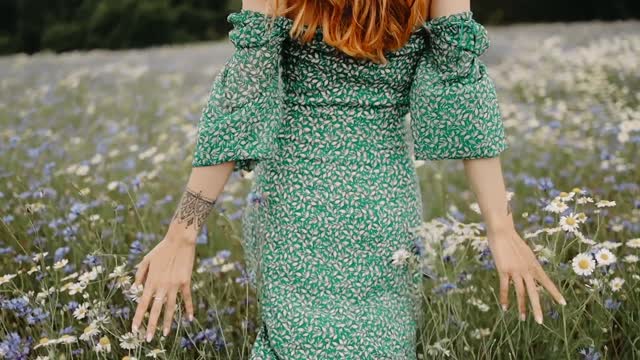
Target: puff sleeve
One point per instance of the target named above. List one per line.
(453, 103)
(242, 115)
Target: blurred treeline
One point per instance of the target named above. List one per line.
(60, 25)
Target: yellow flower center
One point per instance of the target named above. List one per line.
(104, 341)
(583, 264)
(44, 340)
(563, 194)
(604, 257)
(571, 221)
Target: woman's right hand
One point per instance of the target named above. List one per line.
(165, 270)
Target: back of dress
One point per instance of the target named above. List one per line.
(336, 196)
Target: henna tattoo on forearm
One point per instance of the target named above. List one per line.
(193, 209)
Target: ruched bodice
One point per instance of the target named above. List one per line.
(335, 194)
(316, 74)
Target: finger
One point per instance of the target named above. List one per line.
(522, 306)
(504, 290)
(543, 279)
(141, 309)
(534, 297)
(188, 303)
(141, 273)
(169, 310)
(155, 313)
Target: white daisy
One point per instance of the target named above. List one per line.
(583, 264)
(605, 257)
(630, 258)
(565, 196)
(44, 342)
(556, 206)
(112, 185)
(33, 269)
(610, 244)
(70, 276)
(89, 332)
(60, 264)
(400, 257)
(122, 281)
(117, 272)
(67, 339)
(569, 222)
(77, 287)
(6, 278)
(82, 170)
(135, 292)
(479, 304)
(616, 283)
(103, 345)
(583, 239)
(40, 256)
(129, 341)
(81, 311)
(581, 217)
(154, 353)
(605, 203)
(584, 200)
(595, 283)
(634, 243)
(475, 207)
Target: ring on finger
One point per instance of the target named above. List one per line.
(160, 298)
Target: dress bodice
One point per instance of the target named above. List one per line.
(316, 73)
(275, 87)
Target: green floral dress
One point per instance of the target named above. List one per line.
(335, 193)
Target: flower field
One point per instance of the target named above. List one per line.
(95, 151)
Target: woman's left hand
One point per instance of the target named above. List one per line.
(516, 261)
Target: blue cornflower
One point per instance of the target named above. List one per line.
(444, 288)
(91, 260)
(545, 184)
(203, 236)
(611, 304)
(37, 316)
(15, 348)
(60, 253)
(76, 209)
(143, 200)
(590, 354)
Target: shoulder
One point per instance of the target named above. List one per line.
(263, 6)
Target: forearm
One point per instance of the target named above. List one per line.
(486, 180)
(201, 191)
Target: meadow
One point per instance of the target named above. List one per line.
(95, 150)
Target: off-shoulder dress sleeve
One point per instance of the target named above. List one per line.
(242, 115)
(453, 103)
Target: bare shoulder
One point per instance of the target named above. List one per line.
(263, 6)
(447, 7)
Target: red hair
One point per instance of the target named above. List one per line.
(360, 28)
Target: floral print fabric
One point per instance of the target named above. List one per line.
(335, 192)
(454, 107)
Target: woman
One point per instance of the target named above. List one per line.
(313, 102)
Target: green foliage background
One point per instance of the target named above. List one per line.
(61, 25)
